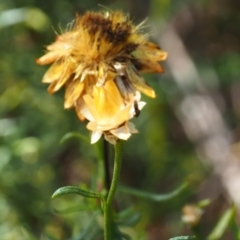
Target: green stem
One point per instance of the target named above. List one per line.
(99, 183)
(106, 164)
(108, 210)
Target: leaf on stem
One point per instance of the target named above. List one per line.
(76, 190)
(69, 135)
(152, 196)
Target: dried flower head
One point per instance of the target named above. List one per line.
(98, 61)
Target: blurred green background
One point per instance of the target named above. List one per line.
(33, 164)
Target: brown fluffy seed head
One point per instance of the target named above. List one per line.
(96, 37)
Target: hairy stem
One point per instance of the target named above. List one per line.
(106, 164)
(108, 209)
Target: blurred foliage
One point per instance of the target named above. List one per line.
(33, 164)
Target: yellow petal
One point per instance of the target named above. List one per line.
(106, 124)
(51, 87)
(104, 110)
(62, 43)
(91, 106)
(147, 57)
(147, 66)
(48, 58)
(113, 93)
(79, 71)
(80, 116)
(59, 49)
(92, 126)
(66, 73)
(56, 85)
(150, 51)
(101, 74)
(139, 82)
(53, 73)
(107, 100)
(73, 92)
(121, 116)
(80, 107)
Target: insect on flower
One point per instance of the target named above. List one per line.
(99, 61)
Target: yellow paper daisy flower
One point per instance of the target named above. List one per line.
(98, 61)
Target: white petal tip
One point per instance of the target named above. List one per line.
(95, 136)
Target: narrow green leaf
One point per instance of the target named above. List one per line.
(76, 190)
(222, 224)
(69, 135)
(152, 196)
(183, 238)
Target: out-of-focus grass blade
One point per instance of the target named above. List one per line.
(204, 203)
(152, 196)
(95, 234)
(70, 135)
(76, 190)
(123, 236)
(92, 226)
(49, 237)
(126, 213)
(131, 220)
(235, 229)
(183, 238)
(73, 209)
(222, 224)
(26, 233)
